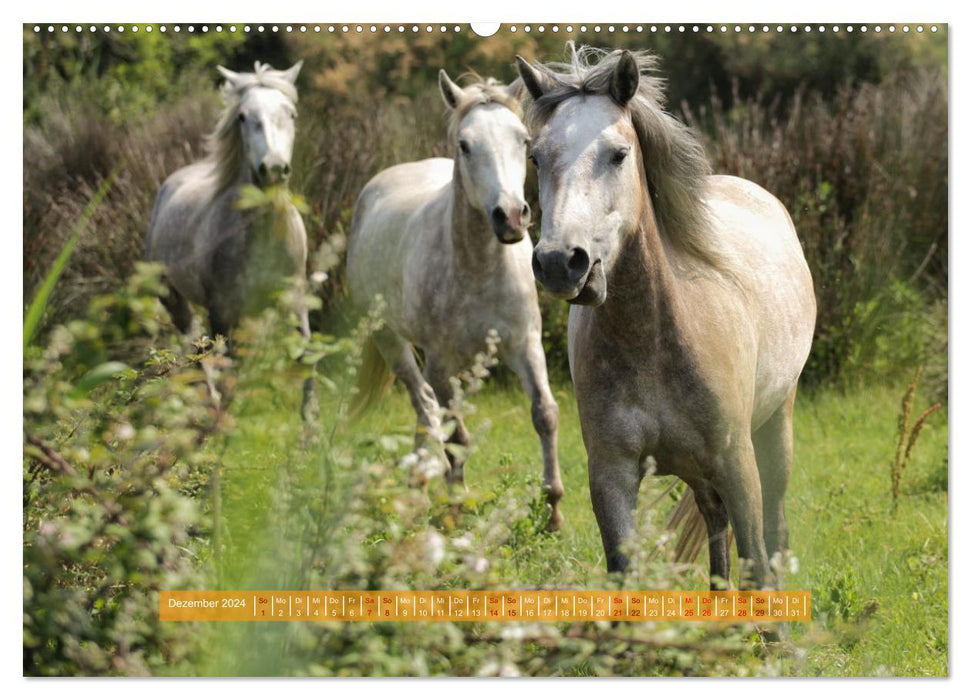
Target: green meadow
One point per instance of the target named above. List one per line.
(879, 581)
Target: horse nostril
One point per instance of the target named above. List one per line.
(263, 169)
(578, 263)
(537, 266)
(526, 209)
(286, 169)
(499, 215)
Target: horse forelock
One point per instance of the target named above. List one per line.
(224, 145)
(482, 92)
(674, 160)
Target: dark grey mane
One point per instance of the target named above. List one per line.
(674, 160)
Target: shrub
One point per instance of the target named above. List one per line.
(865, 180)
(113, 471)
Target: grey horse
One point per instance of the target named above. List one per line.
(216, 255)
(693, 307)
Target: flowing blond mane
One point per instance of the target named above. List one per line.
(674, 160)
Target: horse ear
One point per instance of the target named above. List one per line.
(229, 75)
(536, 81)
(516, 89)
(623, 83)
(291, 73)
(451, 92)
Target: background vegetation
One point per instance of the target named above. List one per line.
(141, 477)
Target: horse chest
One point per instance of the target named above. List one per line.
(647, 400)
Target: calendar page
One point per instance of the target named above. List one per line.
(537, 349)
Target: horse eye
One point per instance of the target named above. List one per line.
(241, 117)
(619, 155)
(533, 158)
(464, 147)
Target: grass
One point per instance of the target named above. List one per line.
(879, 583)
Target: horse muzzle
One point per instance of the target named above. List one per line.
(510, 226)
(275, 174)
(594, 289)
(567, 273)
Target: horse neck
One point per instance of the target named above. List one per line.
(642, 307)
(476, 252)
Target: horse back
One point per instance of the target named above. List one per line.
(398, 218)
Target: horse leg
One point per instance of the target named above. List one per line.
(716, 520)
(773, 453)
(613, 490)
(309, 406)
(400, 357)
(737, 484)
(440, 379)
(531, 370)
(221, 321)
(178, 308)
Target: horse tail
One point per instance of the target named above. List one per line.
(374, 378)
(694, 531)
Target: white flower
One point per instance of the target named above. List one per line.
(124, 432)
(433, 545)
(489, 669)
(477, 564)
(430, 467)
(494, 668)
(462, 541)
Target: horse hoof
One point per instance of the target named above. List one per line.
(555, 522)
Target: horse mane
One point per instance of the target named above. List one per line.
(481, 92)
(674, 160)
(224, 145)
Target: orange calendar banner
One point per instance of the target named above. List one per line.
(484, 606)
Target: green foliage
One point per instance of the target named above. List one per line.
(35, 311)
(338, 508)
(111, 459)
(277, 199)
(837, 595)
(124, 74)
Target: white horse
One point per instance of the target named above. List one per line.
(225, 259)
(444, 243)
(694, 307)
(215, 254)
